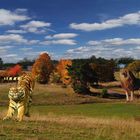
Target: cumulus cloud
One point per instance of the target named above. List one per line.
(115, 42)
(128, 19)
(8, 17)
(26, 49)
(36, 26)
(12, 38)
(4, 50)
(108, 48)
(101, 51)
(16, 31)
(11, 57)
(59, 42)
(16, 39)
(6, 47)
(61, 36)
(21, 10)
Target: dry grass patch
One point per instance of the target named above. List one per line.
(50, 127)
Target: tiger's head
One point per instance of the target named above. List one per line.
(16, 93)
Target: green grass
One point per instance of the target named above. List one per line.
(103, 110)
(100, 121)
(121, 110)
(59, 114)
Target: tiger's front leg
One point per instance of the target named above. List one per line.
(11, 110)
(21, 111)
(28, 105)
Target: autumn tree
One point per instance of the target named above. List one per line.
(61, 69)
(42, 68)
(14, 71)
(135, 67)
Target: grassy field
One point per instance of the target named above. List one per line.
(59, 114)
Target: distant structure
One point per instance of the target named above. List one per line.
(129, 83)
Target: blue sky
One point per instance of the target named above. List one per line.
(69, 28)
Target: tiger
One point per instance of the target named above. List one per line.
(20, 97)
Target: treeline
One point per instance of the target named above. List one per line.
(80, 73)
(26, 63)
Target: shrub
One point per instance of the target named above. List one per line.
(80, 88)
(104, 93)
(55, 78)
(82, 75)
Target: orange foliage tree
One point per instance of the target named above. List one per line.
(14, 71)
(42, 68)
(61, 69)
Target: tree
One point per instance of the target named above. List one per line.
(1, 63)
(14, 71)
(42, 68)
(125, 60)
(25, 63)
(105, 71)
(134, 67)
(61, 69)
(81, 74)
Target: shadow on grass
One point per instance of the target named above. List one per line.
(107, 95)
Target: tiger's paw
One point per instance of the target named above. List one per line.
(18, 119)
(6, 118)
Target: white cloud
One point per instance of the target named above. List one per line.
(21, 10)
(4, 50)
(12, 38)
(8, 17)
(59, 42)
(16, 39)
(104, 48)
(128, 19)
(11, 55)
(115, 42)
(6, 47)
(108, 48)
(26, 49)
(61, 36)
(101, 51)
(32, 42)
(34, 54)
(36, 26)
(16, 31)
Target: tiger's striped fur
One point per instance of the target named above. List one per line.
(21, 97)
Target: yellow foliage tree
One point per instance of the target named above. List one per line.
(61, 69)
(42, 68)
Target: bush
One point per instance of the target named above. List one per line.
(81, 75)
(80, 88)
(55, 78)
(104, 93)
